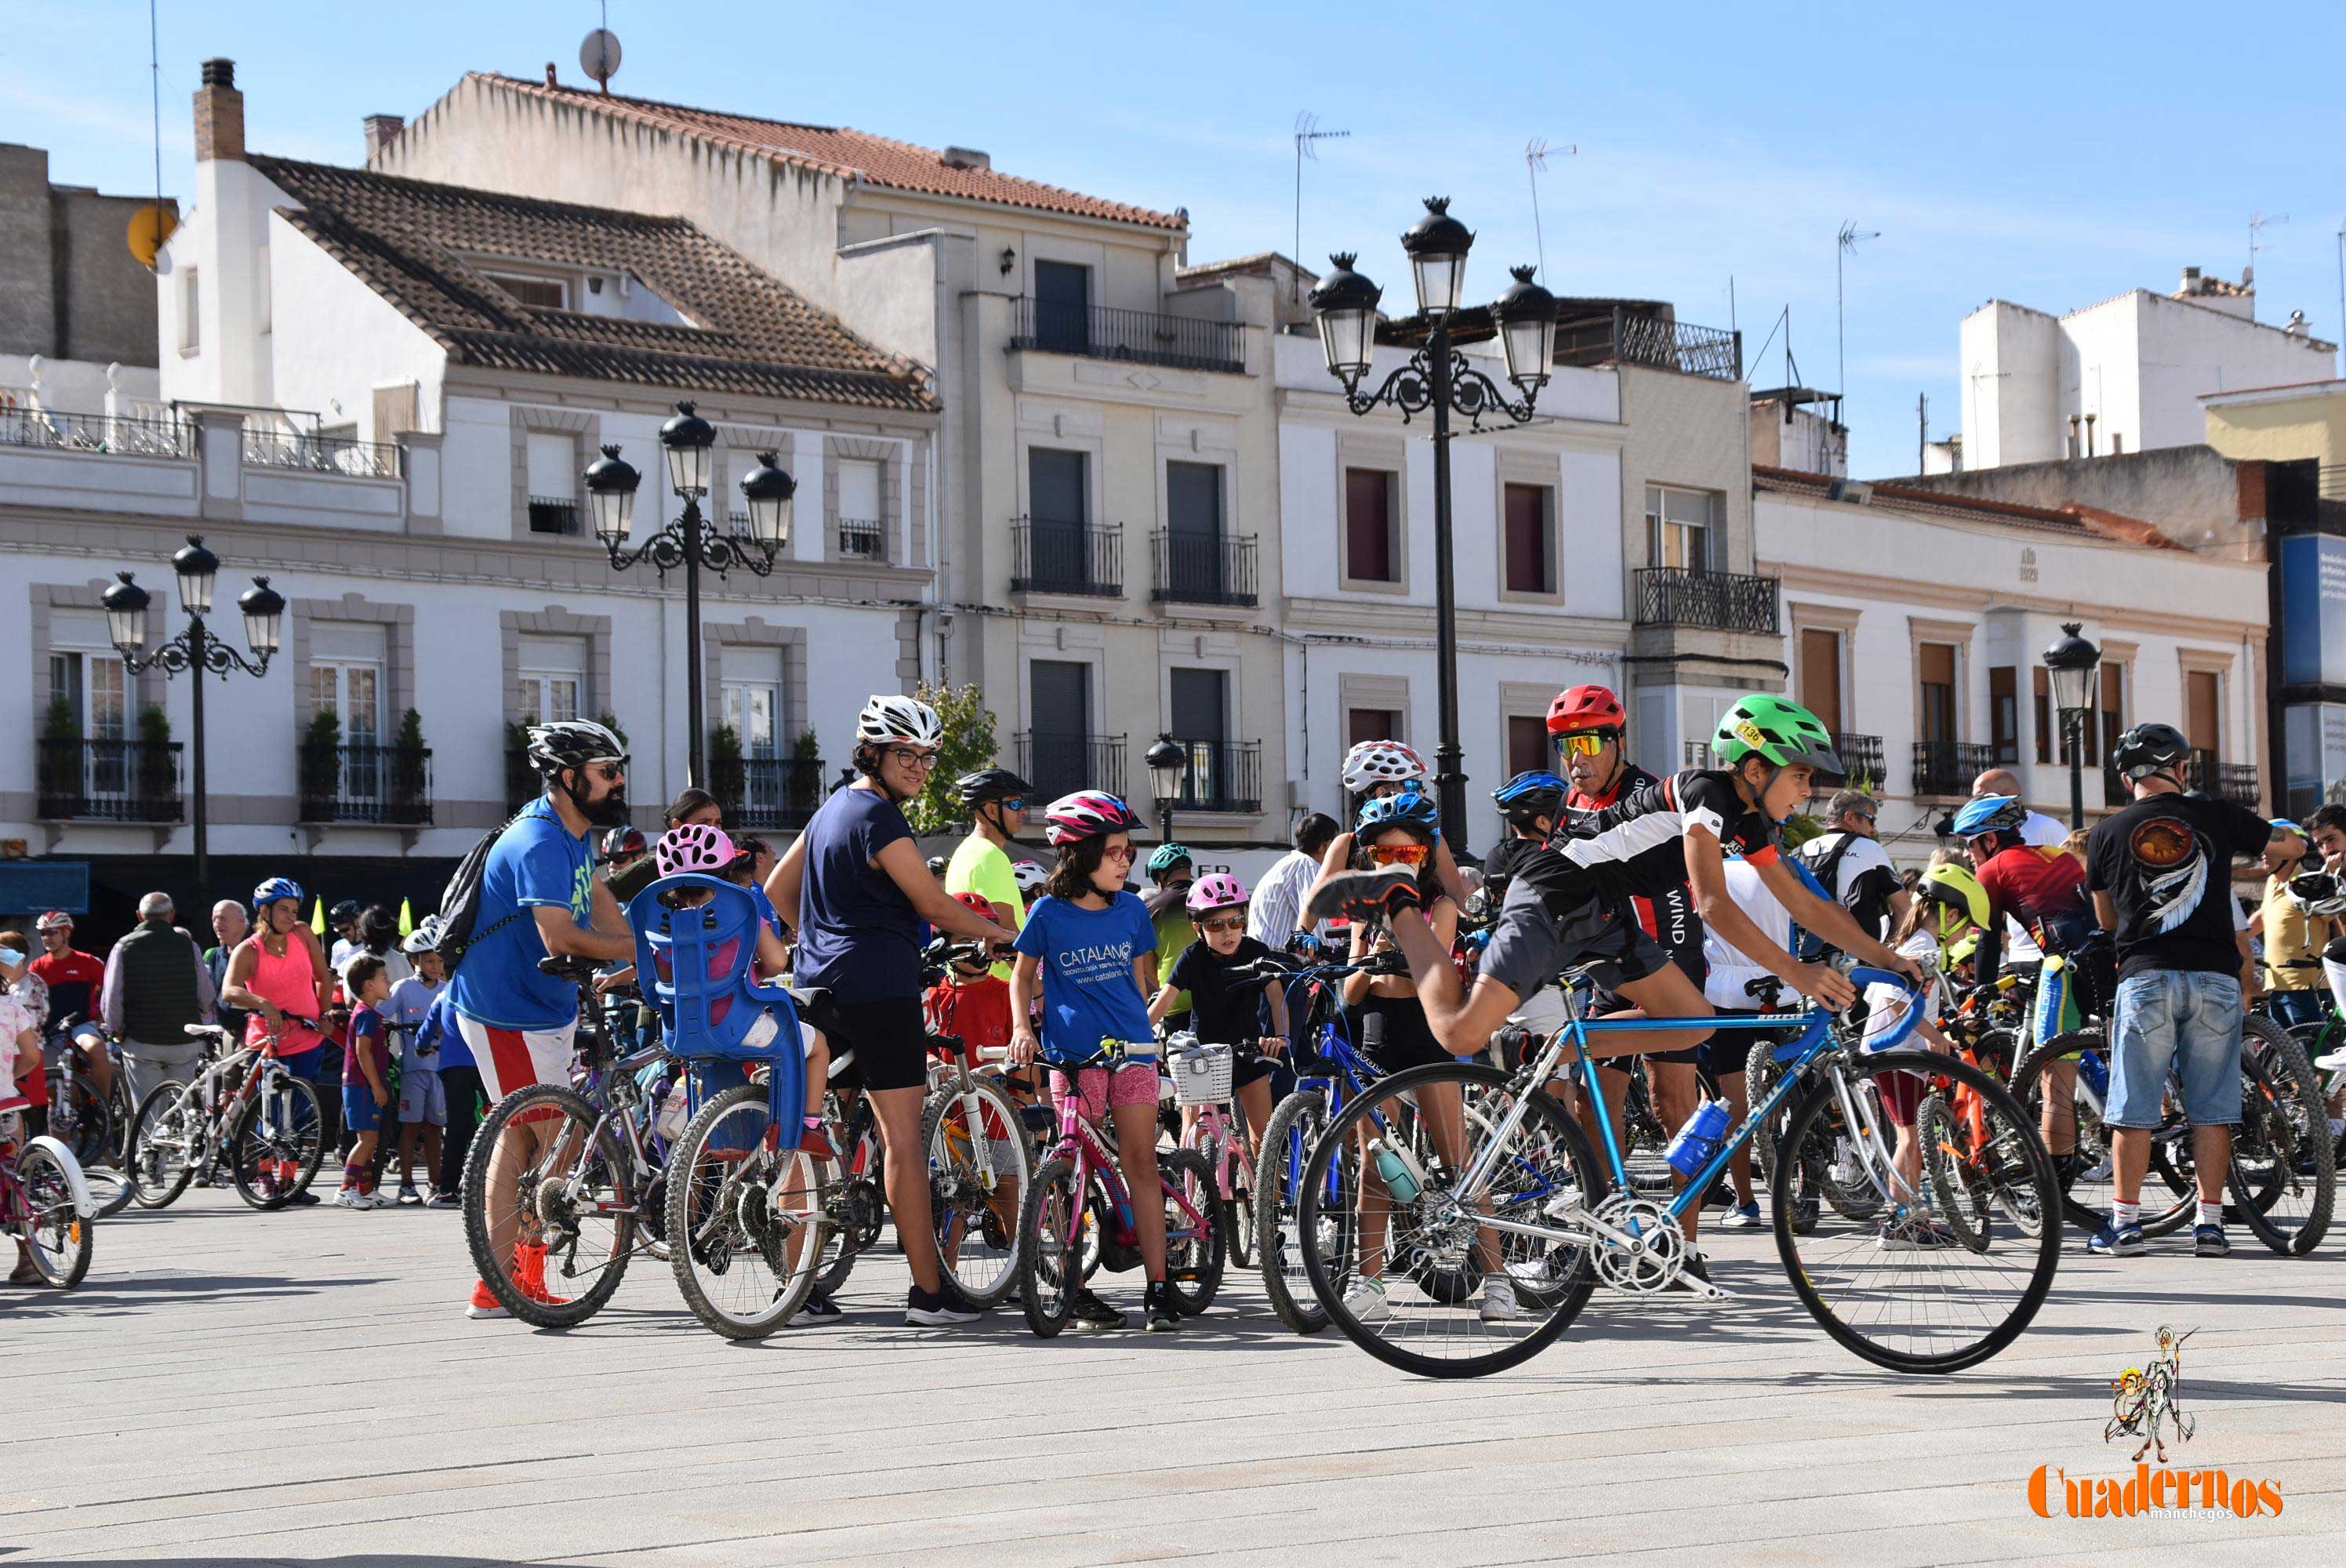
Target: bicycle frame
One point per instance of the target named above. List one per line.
(1352, 1075)
(1081, 1145)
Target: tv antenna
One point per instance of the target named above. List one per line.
(1535, 153)
(1845, 243)
(2257, 224)
(1307, 133)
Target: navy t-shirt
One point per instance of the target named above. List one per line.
(858, 934)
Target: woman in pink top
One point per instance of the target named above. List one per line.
(279, 977)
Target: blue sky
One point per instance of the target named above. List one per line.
(2048, 154)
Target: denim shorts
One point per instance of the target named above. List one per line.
(2186, 1019)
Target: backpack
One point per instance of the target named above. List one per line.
(460, 902)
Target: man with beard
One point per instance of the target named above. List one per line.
(538, 896)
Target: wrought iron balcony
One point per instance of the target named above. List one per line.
(1721, 601)
(384, 786)
(1055, 763)
(779, 792)
(1202, 569)
(321, 454)
(1640, 337)
(96, 432)
(553, 514)
(1948, 767)
(1861, 755)
(1223, 776)
(1057, 557)
(2233, 781)
(109, 782)
(862, 539)
(1139, 337)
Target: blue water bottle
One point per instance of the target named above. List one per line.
(2095, 1068)
(1699, 1139)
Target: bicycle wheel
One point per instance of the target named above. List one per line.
(2086, 1171)
(166, 1138)
(2284, 1175)
(276, 1144)
(56, 1237)
(1962, 1200)
(84, 1124)
(1912, 1291)
(541, 1174)
(746, 1222)
(1288, 1139)
(1194, 1256)
(860, 1204)
(976, 1226)
(1050, 1248)
(1238, 1209)
(1540, 1177)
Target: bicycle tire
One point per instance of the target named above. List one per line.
(1237, 1215)
(305, 1113)
(45, 1187)
(2287, 1126)
(1288, 1139)
(955, 1194)
(863, 1198)
(1050, 1232)
(1195, 1262)
(2090, 1148)
(1562, 1303)
(795, 1280)
(119, 1194)
(1965, 1206)
(576, 1111)
(2016, 1142)
(164, 1101)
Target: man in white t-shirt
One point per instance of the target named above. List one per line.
(1852, 867)
(1279, 895)
(2037, 830)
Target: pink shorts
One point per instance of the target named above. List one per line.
(1133, 1084)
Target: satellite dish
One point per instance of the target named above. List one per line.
(151, 226)
(598, 57)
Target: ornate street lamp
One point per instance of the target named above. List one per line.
(1168, 762)
(2071, 661)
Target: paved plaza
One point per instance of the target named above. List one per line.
(237, 1388)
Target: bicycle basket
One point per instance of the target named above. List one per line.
(1201, 1076)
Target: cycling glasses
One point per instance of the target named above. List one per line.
(1223, 923)
(1584, 742)
(1400, 854)
(1011, 802)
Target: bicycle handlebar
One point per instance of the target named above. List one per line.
(1861, 974)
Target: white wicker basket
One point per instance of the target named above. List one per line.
(1201, 1076)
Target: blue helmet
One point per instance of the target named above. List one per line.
(1412, 809)
(1990, 814)
(1535, 793)
(276, 888)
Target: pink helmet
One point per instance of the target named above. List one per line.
(1220, 891)
(693, 847)
(1087, 814)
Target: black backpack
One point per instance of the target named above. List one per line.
(460, 902)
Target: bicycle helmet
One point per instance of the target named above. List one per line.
(1529, 795)
(267, 893)
(1585, 708)
(572, 743)
(1030, 875)
(1087, 814)
(425, 938)
(1220, 891)
(343, 913)
(1779, 732)
(693, 847)
(937, 867)
(1990, 814)
(888, 720)
(988, 784)
(2318, 893)
(1167, 856)
(57, 920)
(2149, 748)
(1958, 888)
(1375, 762)
(1412, 809)
(977, 901)
(621, 842)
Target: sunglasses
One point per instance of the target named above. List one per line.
(608, 772)
(1223, 923)
(1011, 802)
(906, 756)
(1400, 854)
(1584, 742)
(1118, 852)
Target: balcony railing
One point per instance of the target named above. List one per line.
(2233, 781)
(109, 782)
(553, 514)
(1948, 767)
(1053, 557)
(1056, 764)
(1861, 755)
(386, 786)
(1139, 337)
(862, 539)
(1202, 569)
(1223, 776)
(767, 792)
(1721, 601)
(1635, 338)
(321, 454)
(22, 425)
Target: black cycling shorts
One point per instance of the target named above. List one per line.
(1396, 1036)
(889, 1038)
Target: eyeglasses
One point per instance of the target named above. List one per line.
(1223, 923)
(1118, 852)
(1400, 854)
(918, 761)
(608, 772)
(1584, 742)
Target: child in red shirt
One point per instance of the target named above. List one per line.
(969, 1002)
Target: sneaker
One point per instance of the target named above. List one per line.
(348, 1198)
(1541, 1273)
(936, 1309)
(1163, 1317)
(1091, 1312)
(1366, 1302)
(443, 1200)
(1360, 895)
(1695, 1269)
(2111, 1242)
(1499, 1305)
(1742, 1216)
(2097, 1174)
(408, 1197)
(2331, 1061)
(303, 1199)
(819, 1309)
(484, 1302)
(2209, 1242)
(529, 1275)
(1806, 1212)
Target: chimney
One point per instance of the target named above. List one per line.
(549, 75)
(220, 115)
(382, 130)
(2190, 282)
(966, 157)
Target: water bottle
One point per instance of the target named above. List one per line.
(1699, 1139)
(2095, 1069)
(1402, 1178)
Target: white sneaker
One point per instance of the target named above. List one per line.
(1366, 1301)
(2331, 1061)
(1499, 1299)
(2098, 1175)
(351, 1197)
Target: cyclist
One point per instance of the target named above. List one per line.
(854, 888)
(627, 866)
(2327, 829)
(995, 800)
(1851, 864)
(2293, 937)
(74, 979)
(1373, 769)
(1531, 803)
(343, 919)
(1172, 872)
(1093, 946)
(20, 1065)
(1567, 905)
(1270, 916)
(1227, 976)
(538, 896)
(278, 977)
(1030, 876)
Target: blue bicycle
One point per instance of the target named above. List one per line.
(1905, 1286)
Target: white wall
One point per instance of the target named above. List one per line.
(223, 235)
(315, 300)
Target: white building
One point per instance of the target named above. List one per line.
(2125, 375)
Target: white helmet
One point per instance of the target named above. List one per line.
(1375, 762)
(2317, 893)
(1029, 874)
(423, 939)
(888, 720)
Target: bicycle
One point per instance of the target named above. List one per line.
(1079, 1203)
(980, 1159)
(242, 1110)
(44, 1202)
(1216, 1134)
(1531, 1192)
(94, 1129)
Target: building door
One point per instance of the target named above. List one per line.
(752, 703)
(1063, 300)
(1201, 724)
(1820, 675)
(1055, 499)
(1527, 745)
(1193, 535)
(1059, 741)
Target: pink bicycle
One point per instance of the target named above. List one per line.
(1077, 1219)
(1201, 1088)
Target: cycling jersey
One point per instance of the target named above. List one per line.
(1635, 847)
(1657, 889)
(2043, 888)
(73, 978)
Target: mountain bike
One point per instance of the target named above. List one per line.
(94, 1129)
(242, 1113)
(1906, 1291)
(44, 1202)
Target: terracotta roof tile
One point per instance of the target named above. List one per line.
(429, 250)
(2068, 518)
(881, 160)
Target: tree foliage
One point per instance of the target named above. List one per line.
(968, 745)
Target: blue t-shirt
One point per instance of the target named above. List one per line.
(1088, 992)
(858, 934)
(438, 1032)
(536, 861)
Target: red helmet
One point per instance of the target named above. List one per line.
(1585, 708)
(977, 902)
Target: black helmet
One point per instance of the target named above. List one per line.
(989, 784)
(621, 842)
(343, 913)
(937, 864)
(572, 743)
(2150, 748)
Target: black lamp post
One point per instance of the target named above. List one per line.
(690, 542)
(1438, 378)
(1166, 762)
(195, 648)
(2071, 661)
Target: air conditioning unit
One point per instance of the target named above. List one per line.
(1855, 492)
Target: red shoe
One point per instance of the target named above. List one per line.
(529, 1275)
(484, 1302)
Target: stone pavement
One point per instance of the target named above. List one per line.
(232, 1387)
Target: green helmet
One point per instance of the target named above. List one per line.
(1776, 731)
(1167, 856)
